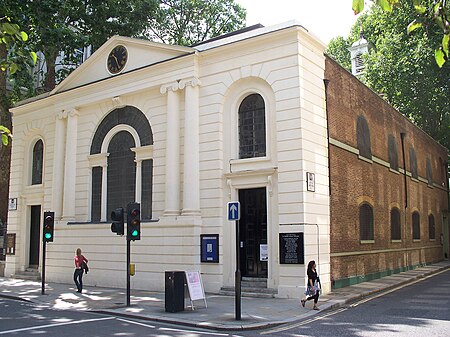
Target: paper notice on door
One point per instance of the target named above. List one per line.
(263, 252)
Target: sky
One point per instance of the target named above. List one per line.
(323, 18)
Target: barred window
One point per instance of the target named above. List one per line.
(363, 138)
(431, 227)
(395, 224)
(252, 127)
(413, 163)
(366, 222)
(392, 153)
(416, 225)
(38, 154)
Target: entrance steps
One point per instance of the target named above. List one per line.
(251, 287)
(31, 274)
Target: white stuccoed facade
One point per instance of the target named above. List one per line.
(191, 98)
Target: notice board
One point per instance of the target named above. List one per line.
(195, 285)
(292, 248)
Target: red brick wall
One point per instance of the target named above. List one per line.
(354, 180)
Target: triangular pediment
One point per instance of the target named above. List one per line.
(141, 53)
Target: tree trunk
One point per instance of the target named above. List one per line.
(5, 151)
(50, 76)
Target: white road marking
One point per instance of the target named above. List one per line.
(55, 325)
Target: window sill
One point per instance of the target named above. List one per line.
(364, 242)
(370, 161)
(396, 241)
(394, 171)
(415, 180)
(416, 240)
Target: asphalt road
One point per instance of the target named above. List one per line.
(418, 310)
(18, 318)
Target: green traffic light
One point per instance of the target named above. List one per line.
(134, 233)
(48, 236)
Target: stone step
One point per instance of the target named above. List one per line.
(254, 283)
(229, 291)
(30, 274)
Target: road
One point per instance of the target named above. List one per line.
(418, 310)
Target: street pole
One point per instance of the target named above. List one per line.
(128, 270)
(43, 268)
(237, 277)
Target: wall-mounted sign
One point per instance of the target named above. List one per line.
(12, 204)
(310, 182)
(291, 248)
(209, 244)
(11, 244)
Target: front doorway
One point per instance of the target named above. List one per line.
(253, 232)
(35, 226)
(445, 236)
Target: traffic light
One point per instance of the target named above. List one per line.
(49, 225)
(117, 225)
(133, 221)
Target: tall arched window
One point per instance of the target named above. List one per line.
(122, 157)
(395, 224)
(416, 225)
(429, 172)
(431, 227)
(363, 137)
(366, 222)
(252, 127)
(38, 156)
(413, 163)
(392, 153)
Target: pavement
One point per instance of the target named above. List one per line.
(256, 313)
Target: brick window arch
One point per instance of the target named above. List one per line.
(38, 157)
(363, 137)
(252, 127)
(431, 227)
(416, 225)
(395, 224)
(392, 153)
(366, 229)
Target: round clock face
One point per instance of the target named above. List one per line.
(117, 59)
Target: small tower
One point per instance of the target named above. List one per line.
(357, 49)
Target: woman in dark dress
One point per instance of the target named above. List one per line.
(313, 289)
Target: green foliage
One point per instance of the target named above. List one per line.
(338, 50)
(5, 135)
(401, 67)
(186, 22)
(428, 13)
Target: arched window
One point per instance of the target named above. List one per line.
(416, 225)
(252, 127)
(431, 227)
(363, 137)
(366, 222)
(123, 167)
(429, 172)
(38, 155)
(392, 153)
(413, 163)
(395, 224)
(121, 172)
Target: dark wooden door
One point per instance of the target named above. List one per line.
(35, 231)
(253, 231)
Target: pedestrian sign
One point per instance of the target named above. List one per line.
(234, 210)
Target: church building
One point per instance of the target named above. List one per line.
(323, 169)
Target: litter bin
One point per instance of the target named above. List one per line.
(174, 294)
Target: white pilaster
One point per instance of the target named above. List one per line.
(58, 164)
(191, 182)
(172, 192)
(104, 215)
(70, 166)
(138, 191)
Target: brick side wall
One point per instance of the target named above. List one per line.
(354, 180)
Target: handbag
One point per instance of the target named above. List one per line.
(84, 267)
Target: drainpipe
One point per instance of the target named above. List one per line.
(402, 137)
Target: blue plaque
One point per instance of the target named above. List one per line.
(209, 244)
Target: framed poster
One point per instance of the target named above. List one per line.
(209, 245)
(292, 248)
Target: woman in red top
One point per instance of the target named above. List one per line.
(78, 273)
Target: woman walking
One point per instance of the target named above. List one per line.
(313, 289)
(78, 273)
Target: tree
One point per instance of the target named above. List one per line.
(428, 13)
(401, 67)
(186, 22)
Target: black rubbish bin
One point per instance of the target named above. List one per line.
(174, 294)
